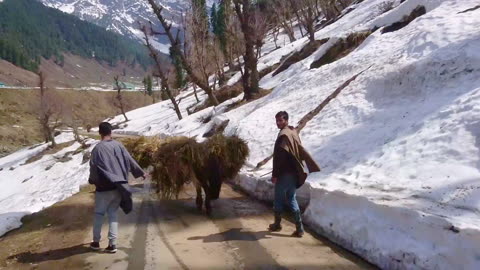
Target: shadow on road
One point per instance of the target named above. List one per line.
(236, 234)
(57, 254)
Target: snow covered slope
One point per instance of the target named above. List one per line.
(399, 147)
(28, 188)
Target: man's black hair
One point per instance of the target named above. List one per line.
(105, 129)
(282, 114)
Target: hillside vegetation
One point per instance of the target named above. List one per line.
(19, 126)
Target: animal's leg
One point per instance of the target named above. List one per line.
(199, 200)
(208, 207)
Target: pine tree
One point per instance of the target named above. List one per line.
(221, 25)
(149, 85)
(180, 80)
(214, 19)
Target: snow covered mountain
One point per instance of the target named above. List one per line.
(122, 16)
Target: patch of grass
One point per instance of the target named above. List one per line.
(49, 151)
(206, 119)
(223, 94)
(267, 70)
(227, 92)
(260, 94)
(417, 12)
(19, 126)
(216, 129)
(296, 57)
(342, 48)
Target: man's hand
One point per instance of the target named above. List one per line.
(145, 175)
(274, 180)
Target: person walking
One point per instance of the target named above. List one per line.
(110, 165)
(288, 172)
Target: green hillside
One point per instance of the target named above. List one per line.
(29, 31)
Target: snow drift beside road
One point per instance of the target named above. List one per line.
(29, 188)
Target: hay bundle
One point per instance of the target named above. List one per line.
(223, 158)
(180, 160)
(142, 149)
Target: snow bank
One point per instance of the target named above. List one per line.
(29, 188)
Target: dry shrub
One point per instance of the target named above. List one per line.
(142, 149)
(262, 92)
(341, 49)
(223, 94)
(179, 160)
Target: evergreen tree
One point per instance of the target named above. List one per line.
(221, 25)
(214, 19)
(180, 80)
(149, 85)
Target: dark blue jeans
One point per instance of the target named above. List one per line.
(285, 193)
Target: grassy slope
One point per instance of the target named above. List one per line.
(18, 121)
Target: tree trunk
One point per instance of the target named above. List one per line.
(311, 32)
(174, 102)
(163, 79)
(51, 137)
(122, 109)
(289, 31)
(250, 80)
(178, 52)
(195, 93)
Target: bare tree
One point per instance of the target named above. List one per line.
(254, 28)
(50, 111)
(330, 9)
(73, 119)
(284, 13)
(195, 93)
(177, 50)
(307, 15)
(160, 73)
(201, 46)
(119, 98)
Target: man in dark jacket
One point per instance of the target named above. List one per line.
(110, 165)
(288, 172)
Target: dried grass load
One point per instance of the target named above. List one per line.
(177, 161)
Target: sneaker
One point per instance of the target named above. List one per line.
(111, 249)
(94, 246)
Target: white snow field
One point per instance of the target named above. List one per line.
(398, 147)
(29, 188)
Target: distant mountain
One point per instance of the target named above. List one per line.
(30, 31)
(122, 16)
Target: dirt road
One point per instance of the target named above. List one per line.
(161, 234)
